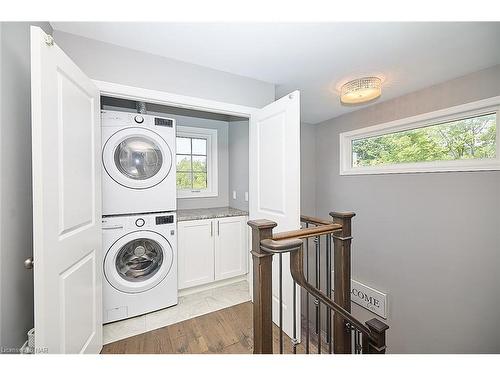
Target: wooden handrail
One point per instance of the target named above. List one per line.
(294, 247)
(265, 243)
(314, 220)
(308, 232)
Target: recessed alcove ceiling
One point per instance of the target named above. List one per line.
(315, 58)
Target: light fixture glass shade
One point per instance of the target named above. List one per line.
(361, 90)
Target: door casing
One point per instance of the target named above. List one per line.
(182, 101)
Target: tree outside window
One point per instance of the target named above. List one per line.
(468, 138)
(191, 163)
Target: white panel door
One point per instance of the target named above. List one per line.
(230, 247)
(66, 202)
(275, 186)
(195, 249)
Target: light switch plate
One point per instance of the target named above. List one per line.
(246, 196)
(234, 194)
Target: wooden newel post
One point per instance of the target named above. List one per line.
(262, 287)
(376, 345)
(342, 280)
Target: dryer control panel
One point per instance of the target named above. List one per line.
(127, 119)
(168, 122)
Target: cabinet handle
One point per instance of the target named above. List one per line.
(218, 228)
(211, 229)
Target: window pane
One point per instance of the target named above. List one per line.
(183, 145)
(199, 180)
(199, 163)
(199, 146)
(470, 138)
(183, 163)
(184, 180)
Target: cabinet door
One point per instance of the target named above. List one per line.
(195, 252)
(230, 247)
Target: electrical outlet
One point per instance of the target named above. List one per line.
(246, 196)
(234, 194)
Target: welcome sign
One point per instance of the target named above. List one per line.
(369, 298)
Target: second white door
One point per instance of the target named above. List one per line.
(275, 189)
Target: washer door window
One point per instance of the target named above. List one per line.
(137, 158)
(138, 261)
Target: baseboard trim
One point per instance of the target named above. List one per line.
(215, 284)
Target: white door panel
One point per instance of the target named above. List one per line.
(66, 202)
(275, 186)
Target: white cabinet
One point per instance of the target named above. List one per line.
(231, 247)
(211, 250)
(195, 252)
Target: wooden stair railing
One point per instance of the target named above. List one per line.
(368, 337)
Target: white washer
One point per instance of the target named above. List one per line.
(138, 155)
(140, 264)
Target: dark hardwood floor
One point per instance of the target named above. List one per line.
(227, 331)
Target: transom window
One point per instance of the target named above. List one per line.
(456, 139)
(196, 157)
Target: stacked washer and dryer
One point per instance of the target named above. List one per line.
(139, 220)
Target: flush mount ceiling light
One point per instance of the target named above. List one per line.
(361, 90)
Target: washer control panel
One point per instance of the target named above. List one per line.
(161, 221)
(167, 219)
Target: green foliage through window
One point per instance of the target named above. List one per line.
(191, 163)
(469, 138)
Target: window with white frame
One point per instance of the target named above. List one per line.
(196, 161)
(461, 138)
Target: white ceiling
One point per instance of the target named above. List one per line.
(315, 57)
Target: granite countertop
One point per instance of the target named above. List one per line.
(208, 213)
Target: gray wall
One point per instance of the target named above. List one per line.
(16, 292)
(430, 240)
(238, 163)
(307, 169)
(108, 62)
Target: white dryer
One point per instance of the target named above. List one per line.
(140, 264)
(139, 168)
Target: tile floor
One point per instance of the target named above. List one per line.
(189, 306)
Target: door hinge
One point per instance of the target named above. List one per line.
(49, 40)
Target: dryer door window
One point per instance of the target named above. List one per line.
(138, 158)
(139, 259)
